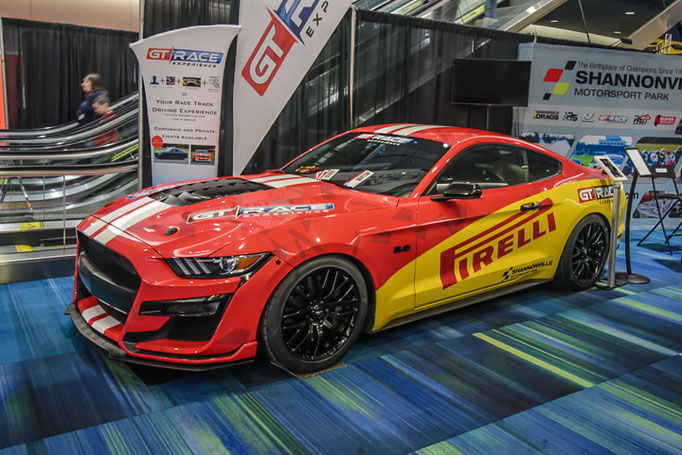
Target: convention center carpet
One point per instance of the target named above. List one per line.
(539, 371)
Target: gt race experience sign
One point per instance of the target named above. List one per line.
(280, 41)
(587, 102)
(182, 72)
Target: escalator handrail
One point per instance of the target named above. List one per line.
(91, 133)
(58, 129)
(92, 152)
(72, 169)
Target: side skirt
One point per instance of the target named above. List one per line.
(460, 303)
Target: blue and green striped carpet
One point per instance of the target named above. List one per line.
(540, 371)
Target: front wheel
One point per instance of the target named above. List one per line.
(314, 315)
(584, 255)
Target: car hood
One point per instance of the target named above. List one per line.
(179, 221)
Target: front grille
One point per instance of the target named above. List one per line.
(110, 261)
(107, 275)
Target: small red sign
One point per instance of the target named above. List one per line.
(157, 142)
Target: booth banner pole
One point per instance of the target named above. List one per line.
(140, 109)
(4, 122)
(615, 218)
(351, 69)
(280, 42)
(183, 71)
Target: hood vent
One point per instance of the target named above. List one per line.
(194, 193)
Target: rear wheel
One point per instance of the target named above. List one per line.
(314, 315)
(584, 255)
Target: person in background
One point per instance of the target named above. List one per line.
(92, 87)
(100, 106)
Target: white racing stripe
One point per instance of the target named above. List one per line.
(274, 177)
(99, 224)
(388, 129)
(130, 219)
(104, 324)
(92, 313)
(415, 129)
(290, 182)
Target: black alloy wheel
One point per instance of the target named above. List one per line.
(320, 313)
(589, 252)
(315, 314)
(584, 255)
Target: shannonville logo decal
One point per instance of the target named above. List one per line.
(554, 75)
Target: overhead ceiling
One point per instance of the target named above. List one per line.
(613, 18)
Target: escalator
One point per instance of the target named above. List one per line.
(50, 179)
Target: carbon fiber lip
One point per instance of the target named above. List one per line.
(116, 353)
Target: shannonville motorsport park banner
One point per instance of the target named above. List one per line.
(183, 72)
(279, 42)
(586, 102)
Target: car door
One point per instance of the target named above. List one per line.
(465, 246)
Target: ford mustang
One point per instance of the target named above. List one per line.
(371, 229)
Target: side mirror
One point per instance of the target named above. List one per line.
(459, 190)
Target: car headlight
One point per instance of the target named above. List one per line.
(220, 267)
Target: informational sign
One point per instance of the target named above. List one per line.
(587, 102)
(638, 162)
(182, 72)
(280, 42)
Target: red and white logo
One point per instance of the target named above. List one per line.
(664, 120)
(159, 54)
(586, 194)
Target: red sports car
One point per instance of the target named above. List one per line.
(371, 229)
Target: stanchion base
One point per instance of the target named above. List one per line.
(617, 283)
(632, 278)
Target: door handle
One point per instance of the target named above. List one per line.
(530, 206)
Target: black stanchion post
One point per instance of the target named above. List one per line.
(628, 276)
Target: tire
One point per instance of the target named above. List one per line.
(314, 316)
(584, 255)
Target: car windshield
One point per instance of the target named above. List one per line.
(374, 163)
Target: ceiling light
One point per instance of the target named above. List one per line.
(616, 32)
(629, 13)
(554, 21)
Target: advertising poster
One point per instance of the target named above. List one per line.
(182, 72)
(587, 102)
(280, 41)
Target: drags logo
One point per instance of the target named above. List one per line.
(293, 22)
(472, 255)
(554, 75)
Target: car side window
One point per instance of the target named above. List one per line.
(490, 165)
(541, 166)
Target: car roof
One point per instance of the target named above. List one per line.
(448, 134)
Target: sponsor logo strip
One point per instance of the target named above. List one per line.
(389, 129)
(104, 324)
(467, 259)
(268, 210)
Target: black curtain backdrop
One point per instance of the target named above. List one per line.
(404, 70)
(46, 63)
